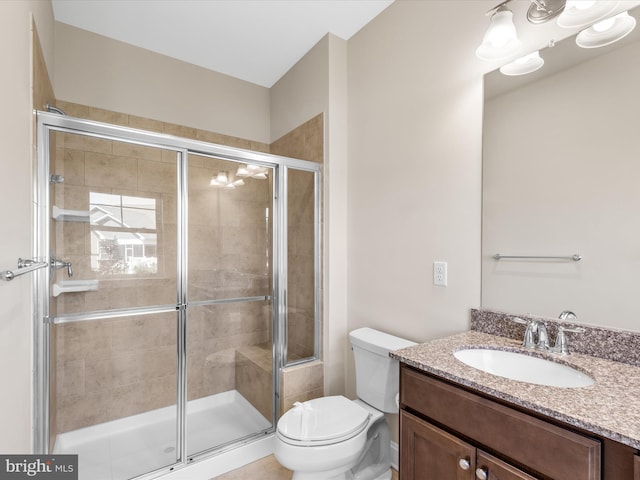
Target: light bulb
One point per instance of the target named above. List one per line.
(500, 40)
(580, 13)
(222, 178)
(607, 31)
(243, 171)
(604, 25)
(579, 4)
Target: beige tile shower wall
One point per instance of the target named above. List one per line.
(305, 142)
(117, 118)
(109, 369)
(301, 383)
(215, 336)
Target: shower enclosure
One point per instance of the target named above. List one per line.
(183, 275)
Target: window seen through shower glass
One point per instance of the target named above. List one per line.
(123, 234)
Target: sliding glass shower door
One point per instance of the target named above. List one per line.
(229, 311)
(112, 295)
(161, 325)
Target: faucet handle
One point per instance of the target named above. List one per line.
(529, 333)
(567, 315)
(562, 344)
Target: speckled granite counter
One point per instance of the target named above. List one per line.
(609, 408)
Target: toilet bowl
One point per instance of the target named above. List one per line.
(334, 438)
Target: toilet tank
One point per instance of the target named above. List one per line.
(377, 374)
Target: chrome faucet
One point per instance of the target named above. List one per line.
(58, 264)
(562, 344)
(535, 334)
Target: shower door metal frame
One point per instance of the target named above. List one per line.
(47, 122)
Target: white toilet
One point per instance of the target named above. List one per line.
(334, 438)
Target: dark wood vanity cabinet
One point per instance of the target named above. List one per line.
(449, 433)
(431, 453)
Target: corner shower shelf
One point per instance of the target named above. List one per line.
(66, 215)
(68, 286)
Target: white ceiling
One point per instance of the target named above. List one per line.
(253, 40)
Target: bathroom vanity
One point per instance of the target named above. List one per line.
(458, 422)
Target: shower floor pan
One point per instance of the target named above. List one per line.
(135, 445)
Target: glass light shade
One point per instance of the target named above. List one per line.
(500, 40)
(580, 13)
(243, 171)
(222, 178)
(527, 64)
(238, 183)
(607, 31)
(260, 176)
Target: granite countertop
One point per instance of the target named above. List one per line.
(609, 408)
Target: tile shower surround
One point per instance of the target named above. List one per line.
(615, 345)
(108, 369)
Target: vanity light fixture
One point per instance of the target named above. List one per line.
(541, 11)
(252, 171)
(523, 65)
(222, 179)
(580, 13)
(606, 31)
(500, 40)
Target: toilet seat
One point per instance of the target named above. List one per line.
(322, 421)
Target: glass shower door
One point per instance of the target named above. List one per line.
(114, 326)
(229, 312)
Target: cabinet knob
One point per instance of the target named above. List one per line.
(481, 474)
(464, 464)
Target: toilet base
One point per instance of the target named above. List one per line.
(363, 457)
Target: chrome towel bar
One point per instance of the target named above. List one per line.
(575, 257)
(24, 266)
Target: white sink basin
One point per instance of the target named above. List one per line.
(522, 367)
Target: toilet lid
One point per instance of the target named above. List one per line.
(322, 421)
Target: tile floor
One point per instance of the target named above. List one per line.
(266, 468)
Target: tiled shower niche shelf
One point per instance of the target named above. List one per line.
(66, 215)
(70, 286)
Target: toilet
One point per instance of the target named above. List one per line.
(334, 438)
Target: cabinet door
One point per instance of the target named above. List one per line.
(491, 468)
(428, 453)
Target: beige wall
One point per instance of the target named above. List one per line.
(318, 83)
(415, 122)
(15, 213)
(415, 119)
(93, 70)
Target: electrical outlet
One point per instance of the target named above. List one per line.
(440, 273)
